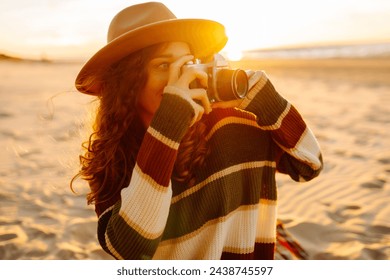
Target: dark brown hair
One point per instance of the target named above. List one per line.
(112, 148)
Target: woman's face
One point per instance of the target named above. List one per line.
(158, 73)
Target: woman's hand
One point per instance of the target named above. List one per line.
(179, 83)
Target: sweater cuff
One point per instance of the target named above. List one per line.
(265, 102)
(173, 117)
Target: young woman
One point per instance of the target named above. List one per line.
(173, 176)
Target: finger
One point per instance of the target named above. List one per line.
(201, 95)
(175, 68)
(191, 74)
(198, 111)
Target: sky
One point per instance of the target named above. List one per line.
(76, 29)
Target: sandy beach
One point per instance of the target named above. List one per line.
(342, 214)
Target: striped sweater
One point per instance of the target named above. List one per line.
(230, 212)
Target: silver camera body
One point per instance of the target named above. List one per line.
(224, 84)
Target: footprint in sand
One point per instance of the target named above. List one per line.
(384, 160)
(12, 238)
(375, 184)
(370, 254)
(378, 229)
(7, 237)
(343, 213)
(4, 115)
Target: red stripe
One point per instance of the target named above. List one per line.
(233, 256)
(156, 159)
(263, 251)
(285, 134)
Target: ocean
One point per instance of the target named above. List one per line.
(372, 50)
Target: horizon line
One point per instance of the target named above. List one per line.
(6, 55)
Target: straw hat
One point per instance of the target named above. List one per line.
(147, 24)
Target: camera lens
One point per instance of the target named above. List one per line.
(231, 84)
(240, 83)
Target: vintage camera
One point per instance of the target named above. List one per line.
(224, 84)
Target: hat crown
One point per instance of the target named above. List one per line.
(138, 16)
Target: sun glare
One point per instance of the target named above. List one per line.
(232, 52)
(234, 55)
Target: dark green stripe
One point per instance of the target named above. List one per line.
(102, 225)
(296, 169)
(267, 105)
(173, 117)
(128, 242)
(236, 143)
(220, 198)
(228, 147)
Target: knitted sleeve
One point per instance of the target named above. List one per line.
(132, 228)
(299, 154)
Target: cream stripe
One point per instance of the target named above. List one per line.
(145, 206)
(169, 142)
(266, 223)
(107, 210)
(265, 236)
(307, 149)
(278, 123)
(233, 233)
(259, 79)
(230, 120)
(221, 174)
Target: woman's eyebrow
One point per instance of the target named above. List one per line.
(168, 55)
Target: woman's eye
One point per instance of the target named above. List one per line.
(163, 66)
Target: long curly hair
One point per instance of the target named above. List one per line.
(112, 148)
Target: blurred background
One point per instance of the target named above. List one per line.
(76, 29)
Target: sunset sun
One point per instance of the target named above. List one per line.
(233, 54)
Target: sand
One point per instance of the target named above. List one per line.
(342, 214)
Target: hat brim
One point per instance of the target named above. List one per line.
(205, 37)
